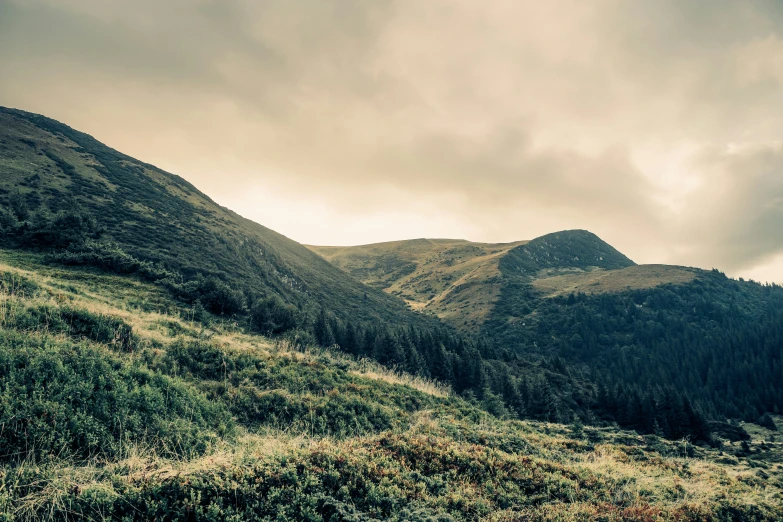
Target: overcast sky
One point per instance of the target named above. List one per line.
(655, 124)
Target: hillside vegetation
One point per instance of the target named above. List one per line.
(637, 333)
(117, 404)
(460, 281)
(62, 198)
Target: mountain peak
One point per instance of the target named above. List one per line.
(579, 249)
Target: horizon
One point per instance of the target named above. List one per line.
(649, 127)
(400, 240)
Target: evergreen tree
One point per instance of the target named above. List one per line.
(322, 330)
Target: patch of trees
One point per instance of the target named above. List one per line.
(717, 341)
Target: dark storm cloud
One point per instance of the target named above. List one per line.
(508, 119)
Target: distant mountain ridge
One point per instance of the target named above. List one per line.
(456, 280)
(460, 281)
(635, 330)
(569, 249)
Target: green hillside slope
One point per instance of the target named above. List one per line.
(61, 189)
(461, 281)
(455, 280)
(81, 204)
(560, 328)
(116, 404)
(633, 330)
(158, 216)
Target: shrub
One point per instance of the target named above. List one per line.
(218, 297)
(75, 322)
(69, 227)
(213, 293)
(767, 422)
(8, 225)
(99, 328)
(14, 284)
(62, 398)
(272, 316)
(731, 432)
(111, 258)
(201, 359)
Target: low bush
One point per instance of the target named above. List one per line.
(74, 322)
(60, 398)
(314, 398)
(43, 228)
(272, 316)
(214, 294)
(766, 421)
(730, 432)
(15, 284)
(111, 258)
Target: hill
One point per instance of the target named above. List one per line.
(157, 216)
(599, 357)
(461, 281)
(567, 250)
(117, 404)
(631, 329)
(456, 280)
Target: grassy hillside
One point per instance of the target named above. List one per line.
(83, 204)
(133, 384)
(460, 281)
(160, 217)
(614, 281)
(116, 404)
(637, 333)
(456, 280)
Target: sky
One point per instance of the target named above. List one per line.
(654, 124)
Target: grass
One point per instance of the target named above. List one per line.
(455, 280)
(318, 435)
(498, 471)
(612, 281)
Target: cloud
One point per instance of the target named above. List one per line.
(737, 215)
(498, 120)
